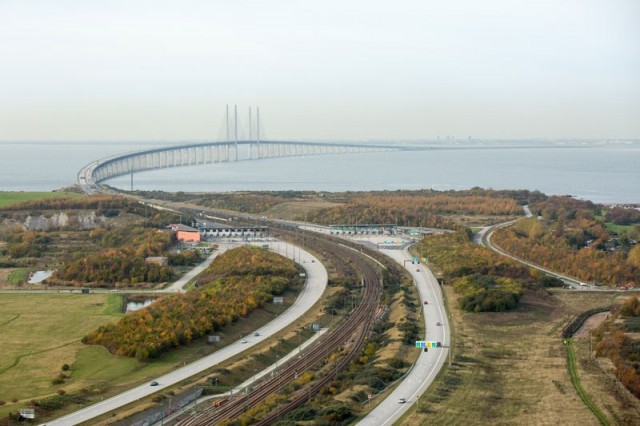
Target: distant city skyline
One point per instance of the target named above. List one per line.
(165, 70)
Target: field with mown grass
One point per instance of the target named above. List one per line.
(41, 332)
(8, 198)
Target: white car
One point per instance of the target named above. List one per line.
(243, 341)
(402, 400)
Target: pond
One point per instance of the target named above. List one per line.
(39, 276)
(138, 304)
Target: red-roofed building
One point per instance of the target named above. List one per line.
(185, 233)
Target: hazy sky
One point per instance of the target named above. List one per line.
(347, 69)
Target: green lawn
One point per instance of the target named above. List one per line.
(619, 228)
(12, 197)
(42, 332)
(18, 276)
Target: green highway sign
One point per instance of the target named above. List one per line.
(428, 344)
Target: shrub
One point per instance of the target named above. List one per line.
(398, 363)
(336, 413)
(303, 413)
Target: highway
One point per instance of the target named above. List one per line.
(483, 238)
(426, 368)
(317, 279)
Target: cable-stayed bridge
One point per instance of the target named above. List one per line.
(192, 154)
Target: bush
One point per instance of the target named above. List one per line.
(410, 332)
(489, 300)
(398, 363)
(65, 367)
(360, 396)
(303, 413)
(482, 293)
(109, 212)
(387, 374)
(375, 383)
(484, 280)
(336, 413)
(549, 281)
(632, 325)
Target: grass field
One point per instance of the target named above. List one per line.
(511, 368)
(40, 333)
(297, 209)
(18, 276)
(619, 228)
(9, 197)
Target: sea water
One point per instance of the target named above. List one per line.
(605, 173)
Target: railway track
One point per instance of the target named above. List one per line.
(350, 336)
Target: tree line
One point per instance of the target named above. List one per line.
(122, 260)
(484, 280)
(567, 237)
(94, 202)
(20, 243)
(613, 342)
(235, 284)
(409, 210)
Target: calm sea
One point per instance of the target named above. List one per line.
(602, 173)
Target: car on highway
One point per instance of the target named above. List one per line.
(243, 341)
(256, 334)
(426, 302)
(154, 383)
(402, 400)
(438, 323)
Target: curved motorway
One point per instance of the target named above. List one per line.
(317, 280)
(426, 368)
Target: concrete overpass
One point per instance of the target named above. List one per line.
(97, 171)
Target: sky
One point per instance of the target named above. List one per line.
(86, 70)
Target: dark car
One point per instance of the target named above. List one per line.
(154, 383)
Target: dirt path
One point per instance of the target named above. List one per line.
(591, 323)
